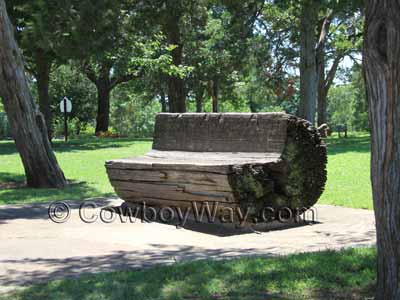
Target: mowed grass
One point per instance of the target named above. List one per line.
(349, 274)
(82, 161)
(348, 182)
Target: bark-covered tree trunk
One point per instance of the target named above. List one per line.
(176, 85)
(320, 55)
(43, 69)
(308, 68)
(199, 100)
(382, 71)
(322, 97)
(103, 106)
(214, 94)
(163, 102)
(27, 123)
(325, 82)
(320, 60)
(322, 92)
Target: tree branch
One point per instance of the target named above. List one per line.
(357, 61)
(90, 73)
(125, 78)
(332, 72)
(324, 30)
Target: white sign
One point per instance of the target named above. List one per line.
(68, 104)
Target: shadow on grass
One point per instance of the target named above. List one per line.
(360, 144)
(80, 144)
(324, 275)
(6, 177)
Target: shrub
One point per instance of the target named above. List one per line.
(107, 134)
(74, 127)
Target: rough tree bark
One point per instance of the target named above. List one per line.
(27, 123)
(382, 72)
(308, 68)
(214, 95)
(321, 104)
(103, 105)
(320, 56)
(324, 84)
(43, 68)
(163, 101)
(199, 99)
(176, 85)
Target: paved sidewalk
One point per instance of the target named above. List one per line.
(34, 249)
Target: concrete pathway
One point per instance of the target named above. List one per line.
(34, 249)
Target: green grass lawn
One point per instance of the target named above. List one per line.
(83, 161)
(325, 275)
(348, 172)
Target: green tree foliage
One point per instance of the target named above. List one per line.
(210, 52)
(361, 117)
(347, 103)
(133, 114)
(68, 81)
(341, 105)
(140, 57)
(114, 47)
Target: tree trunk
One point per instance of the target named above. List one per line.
(382, 71)
(321, 107)
(176, 85)
(27, 123)
(103, 107)
(324, 85)
(214, 91)
(199, 100)
(163, 102)
(308, 69)
(321, 87)
(43, 67)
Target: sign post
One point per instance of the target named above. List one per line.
(66, 107)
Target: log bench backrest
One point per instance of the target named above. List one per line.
(221, 132)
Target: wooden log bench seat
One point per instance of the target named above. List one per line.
(254, 160)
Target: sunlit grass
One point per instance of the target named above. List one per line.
(348, 172)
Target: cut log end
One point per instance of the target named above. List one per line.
(305, 158)
(296, 181)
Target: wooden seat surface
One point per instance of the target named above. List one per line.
(218, 162)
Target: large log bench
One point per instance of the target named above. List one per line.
(251, 160)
